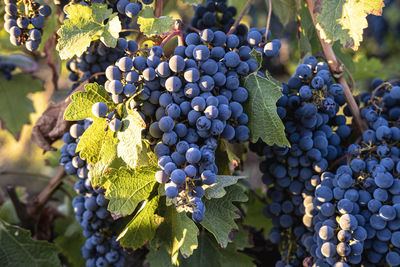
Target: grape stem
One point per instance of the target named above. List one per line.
(241, 15)
(176, 32)
(269, 6)
(337, 70)
(376, 90)
(193, 28)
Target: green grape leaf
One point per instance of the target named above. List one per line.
(257, 56)
(345, 20)
(107, 159)
(221, 213)
(217, 190)
(70, 239)
(368, 68)
(143, 226)
(254, 214)
(84, 25)
(264, 121)
(81, 106)
(284, 10)
(242, 239)
(15, 106)
(128, 188)
(19, 249)
(207, 254)
(95, 141)
(178, 233)
(309, 43)
(130, 137)
(150, 25)
(191, 2)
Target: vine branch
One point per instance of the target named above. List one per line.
(268, 3)
(49, 189)
(338, 70)
(241, 15)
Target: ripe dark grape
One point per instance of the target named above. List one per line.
(292, 174)
(90, 206)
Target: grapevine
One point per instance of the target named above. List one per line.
(195, 133)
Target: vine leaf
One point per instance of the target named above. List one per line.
(285, 10)
(150, 25)
(220, 214)
(142, 227)
(15, 106)
(254, 214)
(130, 137)
(128, 188)
(94, 141)
(70, 239)
(178, 233)
(366, 68)
(208, 252)
(84, 25)
(81, 106)
(257, 56)
(264, 121)
(217, 190)
(19, 249)
(108, 159)
(345, 20)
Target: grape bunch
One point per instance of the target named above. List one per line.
(217, 16)
(90, 206)
(96, 59)
(25, 28)
(6, 70)
(308, 109)
(188, 101)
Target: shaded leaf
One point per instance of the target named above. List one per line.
(19, 249)
(178, 233)
(207, 254)
(70, 240)
(284, 10)
(217, 190)
(221, 213)
(264, 121)
(254, 214)
(15, 106)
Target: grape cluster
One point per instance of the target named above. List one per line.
(308, 109)
(188, 101)
(96, 60)
(90, 206)
(217, 16)
(25, 28)
(6, 70)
